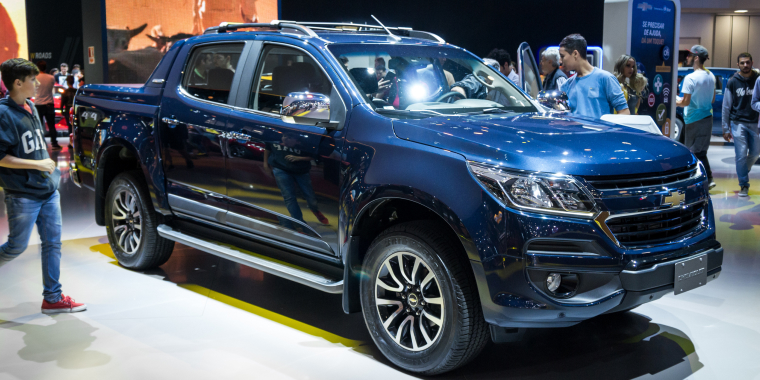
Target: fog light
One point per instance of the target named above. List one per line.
(562, 285)
(553, 281)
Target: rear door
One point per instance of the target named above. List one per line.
(193, 117)
(530, 77)
(283, 180)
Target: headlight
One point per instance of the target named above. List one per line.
(539, 192)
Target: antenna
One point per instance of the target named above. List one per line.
(395, 37)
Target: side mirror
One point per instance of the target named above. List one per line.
(555, 99)
(306, 108)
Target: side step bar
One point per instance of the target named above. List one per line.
(302, 277)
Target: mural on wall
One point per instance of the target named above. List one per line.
(13, 43)
(140, 32)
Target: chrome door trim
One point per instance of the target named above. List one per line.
(276, 232)
(251, 205)
(265, 240)
(264, 264)
(197, 209)
(200, 210)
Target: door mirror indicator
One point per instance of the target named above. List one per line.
(306, 108)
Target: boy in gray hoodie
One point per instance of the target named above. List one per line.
(30, 181)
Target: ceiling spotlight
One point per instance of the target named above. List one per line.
(741, 11)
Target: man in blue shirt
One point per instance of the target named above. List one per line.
(698, 96)
(590, 92)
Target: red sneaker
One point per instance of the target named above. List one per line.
(65, 305)
(321, 217)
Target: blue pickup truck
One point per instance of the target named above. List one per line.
(386, 165)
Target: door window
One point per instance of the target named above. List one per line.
(210, 70)
(531, 79)
(284, 70)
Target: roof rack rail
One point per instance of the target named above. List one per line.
(307, 28)
(276, 24)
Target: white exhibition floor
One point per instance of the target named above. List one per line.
(202, 317)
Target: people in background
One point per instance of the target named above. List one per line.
(76, 72)
(67, 101)
(553, 76)
(43, 101)
(632, 83)
(591, 92)
(60, 77)
(204, 63)
(739, 120)
(30, 181)
(698, 90)
(387, 87)
(505, 64)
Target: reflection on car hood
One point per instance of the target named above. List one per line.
(549, 143)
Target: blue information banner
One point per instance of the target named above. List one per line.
(653, 24)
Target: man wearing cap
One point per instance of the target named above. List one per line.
(698, 95)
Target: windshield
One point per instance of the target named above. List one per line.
(427, 80)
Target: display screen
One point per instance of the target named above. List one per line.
(653, 45)
(13, 43)
(140, 32)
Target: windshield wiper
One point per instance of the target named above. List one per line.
(494, 110)
(424, 112)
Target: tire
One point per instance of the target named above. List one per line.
(131, 224)
(679, 133)
(450, 296)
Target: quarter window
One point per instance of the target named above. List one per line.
(282, 71)
(210, 70)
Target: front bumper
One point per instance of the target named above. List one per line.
(606, 291)
(649, 284)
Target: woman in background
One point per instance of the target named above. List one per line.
(631, 81)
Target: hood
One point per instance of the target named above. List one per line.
(748, 81)
(548, 143)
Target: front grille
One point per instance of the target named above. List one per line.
(657, 227)
(615, 182)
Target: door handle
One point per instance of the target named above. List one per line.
(170, 121)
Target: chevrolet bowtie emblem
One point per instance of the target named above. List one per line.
(674, 198)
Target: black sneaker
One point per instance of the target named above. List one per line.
(56, 147)
(744, 192)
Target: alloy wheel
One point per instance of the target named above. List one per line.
(127, 221)
(409, 301)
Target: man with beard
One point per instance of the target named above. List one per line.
(740, 120)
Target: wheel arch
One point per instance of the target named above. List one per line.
(376, 216)
(117, 156)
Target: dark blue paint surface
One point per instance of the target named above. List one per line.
(423, 161)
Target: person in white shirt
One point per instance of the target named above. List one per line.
(505, 65)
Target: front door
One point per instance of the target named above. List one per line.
(530, 77)
(193, 117)
(283, 179)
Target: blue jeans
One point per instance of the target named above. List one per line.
(747, 148)
(287, 183)
(23, 213)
